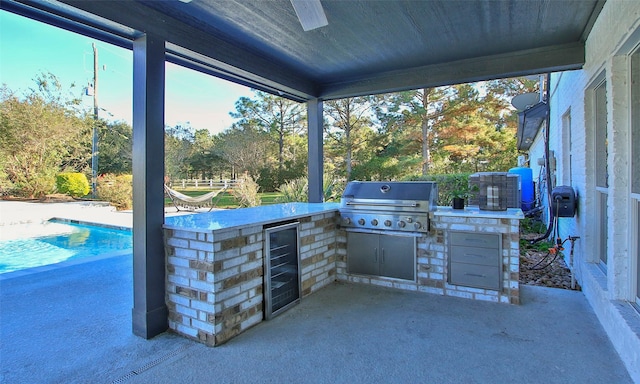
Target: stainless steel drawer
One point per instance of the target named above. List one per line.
(473, 275)
(470, 239)
(475, 255)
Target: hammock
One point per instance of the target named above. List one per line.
(192, 203)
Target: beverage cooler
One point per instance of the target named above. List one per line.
(282, 268)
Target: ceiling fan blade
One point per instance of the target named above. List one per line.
(310, 14)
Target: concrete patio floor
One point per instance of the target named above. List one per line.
(73, 325)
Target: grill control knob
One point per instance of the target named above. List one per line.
(387, 223)
(374, 222)
(361, 221)
(402, 224)
(417, 225)
(409, 220)
(347, 220)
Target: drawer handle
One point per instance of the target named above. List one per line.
(475, 275)
(478, 241)
(474, 255)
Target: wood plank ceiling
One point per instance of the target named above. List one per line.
(367, 47)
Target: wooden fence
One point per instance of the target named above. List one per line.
(202, 184)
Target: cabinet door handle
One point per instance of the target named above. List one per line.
(382, 255)
(376, 255)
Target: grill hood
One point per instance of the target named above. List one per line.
(380, 195)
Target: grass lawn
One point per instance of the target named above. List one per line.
(225, 200)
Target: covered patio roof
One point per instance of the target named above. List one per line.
(367, 47)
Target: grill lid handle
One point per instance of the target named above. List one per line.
(377, 204)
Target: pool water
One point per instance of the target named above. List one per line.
(33, 245)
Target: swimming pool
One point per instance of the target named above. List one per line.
(26, 246)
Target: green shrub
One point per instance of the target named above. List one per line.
(246, 192)
(294, 191)
(333, 189)
(298, 190)
(116, 189)
(73, 184)
(448, 185)
(271, 178)
(37, 184)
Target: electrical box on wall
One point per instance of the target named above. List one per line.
(563, 201)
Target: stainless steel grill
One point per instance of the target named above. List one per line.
(394, 206)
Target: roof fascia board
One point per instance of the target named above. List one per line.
(255, 68)
(521, 63)
(70, 19)
(203, 64)
(597, 8)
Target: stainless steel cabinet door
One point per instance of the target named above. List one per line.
(381, 255)
(363, 253)
(397, 257)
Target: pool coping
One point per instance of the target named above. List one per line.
(83, 222)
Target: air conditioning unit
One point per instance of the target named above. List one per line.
(510, 190)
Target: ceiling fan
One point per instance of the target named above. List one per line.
(310, 14)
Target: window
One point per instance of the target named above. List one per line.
(637, 246)
(635, 164)
(566, 149)
(635, 122)
(602, 174)
(601, 135)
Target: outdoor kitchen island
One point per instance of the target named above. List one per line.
(217, 264)
(468, 253)
(215, 278)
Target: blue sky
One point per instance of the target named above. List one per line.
(28, 48)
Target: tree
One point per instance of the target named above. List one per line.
(276, 115)
(416, 116)
(41, 134)
(479, 133)
(178, 142)
(115, 144)
(460, 128)
(349, 129)
(202, 160)
(245, 148)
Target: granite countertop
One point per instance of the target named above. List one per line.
(245, 217)
(510, 213)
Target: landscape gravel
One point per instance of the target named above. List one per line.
(541, 268)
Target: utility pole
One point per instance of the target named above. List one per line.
(94, 144)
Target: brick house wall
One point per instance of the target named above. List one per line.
(609, 288)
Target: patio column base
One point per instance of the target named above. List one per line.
(151, 323)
